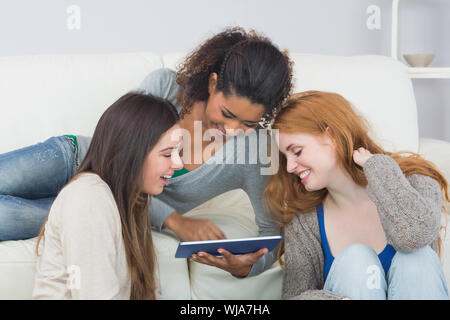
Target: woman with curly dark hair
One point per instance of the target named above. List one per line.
(234, 82)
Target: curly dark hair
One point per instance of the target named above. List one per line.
(247, 64)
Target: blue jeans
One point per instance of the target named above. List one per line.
(358, 274)
(30, 179)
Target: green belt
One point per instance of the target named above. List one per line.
(180, 172)
(74, 139)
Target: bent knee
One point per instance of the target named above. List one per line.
(416, 260)
(357, 258)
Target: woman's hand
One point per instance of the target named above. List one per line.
(361, 155)
(188, 229)
(238, 266)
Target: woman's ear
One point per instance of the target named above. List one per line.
(212, 82)
(327, 138)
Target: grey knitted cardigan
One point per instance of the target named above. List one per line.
(410, 213)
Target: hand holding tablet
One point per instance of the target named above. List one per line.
(234, 246)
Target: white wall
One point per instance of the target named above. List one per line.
(310, 26)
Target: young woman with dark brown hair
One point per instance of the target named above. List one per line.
(97, 242)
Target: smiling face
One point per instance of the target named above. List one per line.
(228, 114)
(161, 162)
(311, 158)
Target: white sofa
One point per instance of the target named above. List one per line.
(47, 95)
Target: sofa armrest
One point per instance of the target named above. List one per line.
(438, 152)
(17, 269)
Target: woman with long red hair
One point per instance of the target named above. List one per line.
(359, 222)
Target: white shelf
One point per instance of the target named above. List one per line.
(429, 73)
(414, 73)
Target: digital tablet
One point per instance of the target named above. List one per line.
(234, 246)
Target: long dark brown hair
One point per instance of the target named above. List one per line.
(247, 64)
(125, 134)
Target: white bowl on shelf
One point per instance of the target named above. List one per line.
(419, 60)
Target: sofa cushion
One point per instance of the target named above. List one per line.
(173, 273)
(233, 214)
(18, 269)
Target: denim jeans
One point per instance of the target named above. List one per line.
(358, 274)
(30, 179)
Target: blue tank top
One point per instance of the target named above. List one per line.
(385, 256)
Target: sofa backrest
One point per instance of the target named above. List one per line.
(378, 87)
(46, 95)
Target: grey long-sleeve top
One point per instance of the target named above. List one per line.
(410, 213)
(226, 170)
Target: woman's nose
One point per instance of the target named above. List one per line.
(232, 127)
(291, 165)
(177, 163)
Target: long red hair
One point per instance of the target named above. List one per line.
(318, 113)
